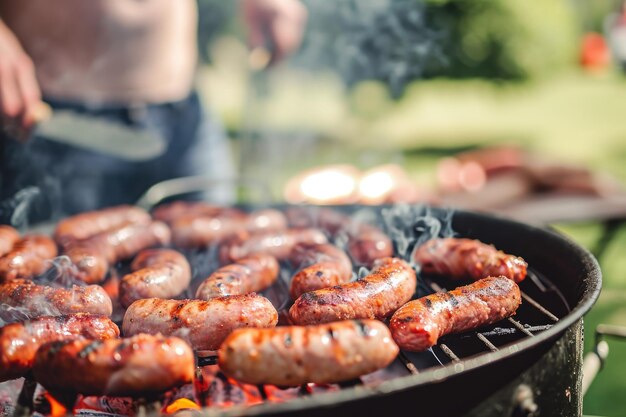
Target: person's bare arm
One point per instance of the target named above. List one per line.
(275, 24)
(19, 90)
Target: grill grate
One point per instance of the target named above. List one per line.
(541, 305)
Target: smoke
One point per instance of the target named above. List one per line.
(15, 210)
(393, 41)
(409, 226)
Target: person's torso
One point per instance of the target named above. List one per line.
(108, 51)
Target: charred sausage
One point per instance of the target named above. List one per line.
(84, 225)
(139, 366)
(38, 300)
(365, 243)
(20, 341)
(467, 259)
(278, 244)
(325, 265)
(253, 273)
(95, 255)
(29, 257)
(203, 324)
(199, 231)
(293, 355)
(8, 237)
(391, 283)
(418, 324)
(157, 273)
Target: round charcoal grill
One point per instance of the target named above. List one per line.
(527, 365)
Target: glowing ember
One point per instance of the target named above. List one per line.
(181, 404)
(56, 408)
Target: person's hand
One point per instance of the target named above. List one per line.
(19, 91)
(276, 25)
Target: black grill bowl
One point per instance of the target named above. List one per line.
(490, 383)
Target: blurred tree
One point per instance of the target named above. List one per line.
(399, 41)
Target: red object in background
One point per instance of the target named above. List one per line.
(595, 53)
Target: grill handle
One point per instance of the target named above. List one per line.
(594, 360)
(244, 188)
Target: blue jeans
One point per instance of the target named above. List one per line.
(68, 180)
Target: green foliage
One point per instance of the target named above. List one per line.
(506, 39)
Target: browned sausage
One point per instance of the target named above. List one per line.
(29, 257)
(38, 300)
(203, 324)
(467, 259)
(278, 244)
(199, 231)
(95, 255)
(293, 355)
(253, 273)
(20, 341)
(390, 284)
(140, 366)
(159, 273)
(84, 225)
(420, 323)
(325, 265)
(8, 237)
(365, 243)
(169, 212)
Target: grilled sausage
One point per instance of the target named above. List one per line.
(203, 324)
(84, 225)
(8, 237)
(391, 283)
(157, 273)
(95, 255)
(293, 355)
(20, 341)
(365, 243)
(169, 212)
(467, 259)
(199, 231)
(140, 366)
(253, 273)
(418, 324)
(278, 244)
(38, 300)
(325, 265)
(29, 257)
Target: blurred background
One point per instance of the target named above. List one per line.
(507, 106)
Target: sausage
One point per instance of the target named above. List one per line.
(158, 273)
(95, 255)
(28, 258)
(199, 231)
(253, 273)
(20, 341)
(139, 366)
(38, 300)
(467, 259)
(391, 283)
(8, 237)
(278, 244)
(203, 324)
(418, 324)
(84, 225)
(325, 265)
(365, 243)
(169, 212)
(293, 355)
